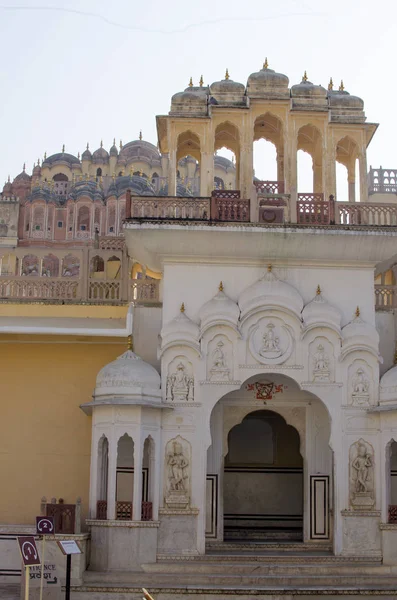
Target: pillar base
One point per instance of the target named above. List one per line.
(178, 531)
(361, 535)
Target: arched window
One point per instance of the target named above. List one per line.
(148, 471)
(227, 146)
(392, 483)
(113, 268)
(38, 218)
(50, 266)
(125, 478)
(97, 267)
(347, 177)
(61, 183)
(310, 169)
(99, 172)
(30, 265)
(269, 152)
(102, 478)
(70, 266)
(83, 219)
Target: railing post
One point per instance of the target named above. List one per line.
(77, 516)
(214, 208)
(43, 505)
(332, 210)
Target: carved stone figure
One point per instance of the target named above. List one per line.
(362, 495)
(180, 386)
(360, 394)
(271, 343)
(219, 370)
(321, 371)
(177, 493)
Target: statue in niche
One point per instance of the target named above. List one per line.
(219, 370)
(360, 394)
(361, 476)
(179, 385)
(321, 370)
(271, 343)
(177, 481)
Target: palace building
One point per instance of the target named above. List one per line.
(198, 366)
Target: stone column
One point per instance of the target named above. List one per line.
(206, 174)
(137, 497)
(317, 177)
(112, 471)
(291, 179)
(362, 161)
(351, 181)
(330, 170)
(280, 164)
(246, 167)
(156, 465)
(172, 173)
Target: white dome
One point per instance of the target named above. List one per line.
(180, 330)
(270, 291)
(319, 312)
(128, 375)
(388, 386)
(358, 335)
(220, 309)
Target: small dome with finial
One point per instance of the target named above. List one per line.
(180, 329)
(100, 155)
(192, 100)
(345, 107)
(319, 313)
(227, 91)
(359, 334)
(307, 93)
(113, 150)
(267, 82)
(219, 310)
(86, 154)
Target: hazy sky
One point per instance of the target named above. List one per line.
(74, 71)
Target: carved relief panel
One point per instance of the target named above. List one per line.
(271, 341)
(321, 361)
(219, 359)
(360, 384)
(361, 475)
(180, 380)
(177, 473)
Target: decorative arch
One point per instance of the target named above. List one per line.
(310, 140)
(50, 266)
(188, 144)
(102, 477)
(269, 129)
(346, 156)
(83, 218)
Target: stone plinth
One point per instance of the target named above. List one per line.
(178, 531)
(388, 533)
(361, 535)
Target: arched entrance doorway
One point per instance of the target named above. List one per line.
(263, 480)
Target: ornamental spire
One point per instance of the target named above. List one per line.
(305, 78)
(318, 291)
(201, 81)
(341, 87)
(227, 76)
(191, 82)
(63, 148)
(130, 343)
(357, 313)
(221, 286)
(140, 134)
(182, 309)
(331, 84)
(266, 64)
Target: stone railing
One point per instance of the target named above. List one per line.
(385, 297)
(392, 516)
(230, 209)
(123, 511)
(67, 517)
(102, 290)
(312, 209)
(170, 208)
(360, 213)
(145, 291)
(40, 288)
(269, 187)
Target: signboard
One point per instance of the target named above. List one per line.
(49, 574)
(27, 546)
(45, 525)
(69, 547)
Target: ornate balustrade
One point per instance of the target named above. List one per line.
(230, 209)
(312, 209)
(124, 511)
(145, 291)
(40, 288)
(269, 187)
(385, 297)
(360, 213)
(170, 208)
(102, 290)
(234, 194)
(101, 510)
(64, 517)
(147, 511)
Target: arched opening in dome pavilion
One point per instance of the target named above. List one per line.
(347, 170)
(310, 141)
(125, 478)
(268, 150)
(227, 146)
(61, 182)
(188, 163)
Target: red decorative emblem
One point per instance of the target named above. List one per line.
(265, 390)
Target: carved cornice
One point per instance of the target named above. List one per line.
(274, 368)
(233, 383)
(388, 526)
(127, 524)
(232, 591)
(360, 513)
(325, 384)
(179, 511)
(188, 403)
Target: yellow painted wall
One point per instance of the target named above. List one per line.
(45, 437)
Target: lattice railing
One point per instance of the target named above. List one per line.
(269, 187)
(64, 517)
(357, 213)
(385, 297)
(147, 511)
(123, 511)
(102, 510)
(233, 194)
(44, 288)
(392, 513)
(312, 209)
(170, 208)
(104, 291)
(110, 243)
(227, 209)
(145, 291)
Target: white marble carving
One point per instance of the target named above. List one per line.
(219, 364)
(178, 468)
(361, 459)
(321, 361)
(359, 384)
(271, 342)
(180, 383)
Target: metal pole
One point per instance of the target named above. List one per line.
(42, 567)
(27, 577)
(68, 570)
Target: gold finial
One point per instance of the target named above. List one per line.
(78, 155)
(304, 78)
(266, 64)
(221, 286)
(201, 81)
(9, 179)
(357, 313)
(63, 148)
(123, 171)
(227, 76)
(114, 176)
(45, 155)
(140, 134)
(121, 144)
(140, 173)
(182, 309)
(38, 162)
(331, 84)
(130, 343)
(341, 87)
(114, 141)
(88, 146)
(101, 143)
(24, 167)
(269, 268)
(191, 82)
(318, 291)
